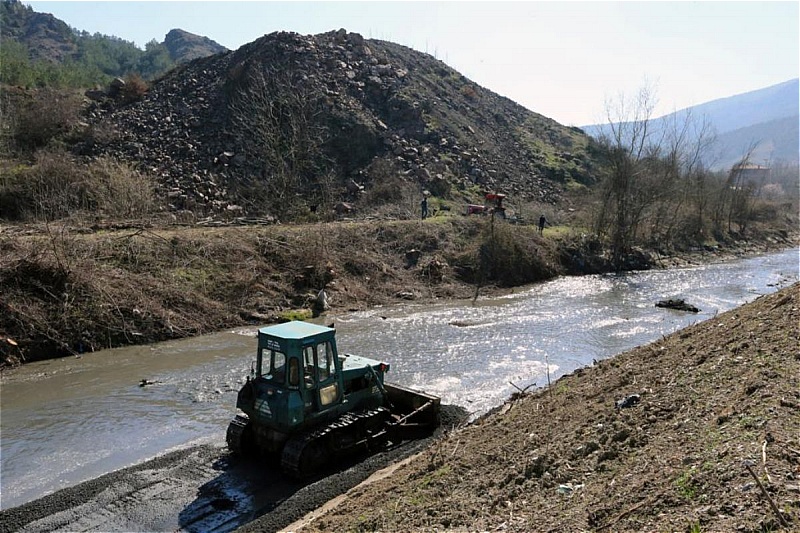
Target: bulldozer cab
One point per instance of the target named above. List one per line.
(302, 357)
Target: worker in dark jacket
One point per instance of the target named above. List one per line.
(542, 222)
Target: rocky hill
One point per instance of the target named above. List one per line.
(296, 121)
(184, 46)
(47, 37)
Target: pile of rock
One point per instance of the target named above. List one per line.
(382, 101)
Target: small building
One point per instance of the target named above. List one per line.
(750, 173)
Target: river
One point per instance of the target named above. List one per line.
(68, 420)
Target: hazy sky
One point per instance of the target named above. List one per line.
(561, 59)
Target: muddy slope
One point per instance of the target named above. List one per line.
(710, 397)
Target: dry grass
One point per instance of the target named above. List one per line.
(67, 290)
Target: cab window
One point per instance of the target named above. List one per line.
(308, 367)
(277, 367)
(325, 366)
(294, 372)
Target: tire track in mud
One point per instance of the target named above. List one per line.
(145, 497)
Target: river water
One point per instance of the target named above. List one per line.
(69, 420)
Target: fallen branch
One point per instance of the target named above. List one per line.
(522, 391)
(456, 448)
(624, 514)
(781, 519)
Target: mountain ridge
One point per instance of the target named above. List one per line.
(762, 117)
(47, 38)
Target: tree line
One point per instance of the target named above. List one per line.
(97, 59)
(657, 192)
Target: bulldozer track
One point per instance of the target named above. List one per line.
(235, 434)
(304, 454)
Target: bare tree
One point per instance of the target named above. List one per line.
(650, 167)
(739, 193)
(626, 147)
(685, 143)
(277, 118)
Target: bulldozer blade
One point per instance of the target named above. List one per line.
(416, 413)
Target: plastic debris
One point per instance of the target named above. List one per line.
(628, 401)
(569, 488)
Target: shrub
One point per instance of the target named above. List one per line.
(134, 89)
(508, 256)
(57, 185)
(50, 189)
(469, 92)
(42, 117)
(121, 191)
(387, 189)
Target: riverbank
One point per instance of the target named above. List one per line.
(71, 289)
(569, 457)
(705, 406)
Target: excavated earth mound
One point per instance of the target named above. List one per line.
(370, 111)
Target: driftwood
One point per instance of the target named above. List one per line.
(677, 304)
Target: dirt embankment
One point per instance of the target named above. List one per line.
(715, 400)
(68, 289)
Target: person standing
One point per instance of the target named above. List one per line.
(424, 205)
(542, 222)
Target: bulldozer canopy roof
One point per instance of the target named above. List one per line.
(294, 330)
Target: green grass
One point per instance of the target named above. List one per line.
(557, 232)
(434, 476)
(686, 485)
(296, 314)
(197, 277)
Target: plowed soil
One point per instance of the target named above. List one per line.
(717, 400)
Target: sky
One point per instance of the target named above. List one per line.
(562, 59)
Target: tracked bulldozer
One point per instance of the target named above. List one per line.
(307, 405)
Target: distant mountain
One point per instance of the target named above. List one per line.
(766, 117)
(40, 41)
(776, 140)
(184, 46)
(751, 108)
(46, 37)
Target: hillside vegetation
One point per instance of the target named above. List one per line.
(39, 50)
